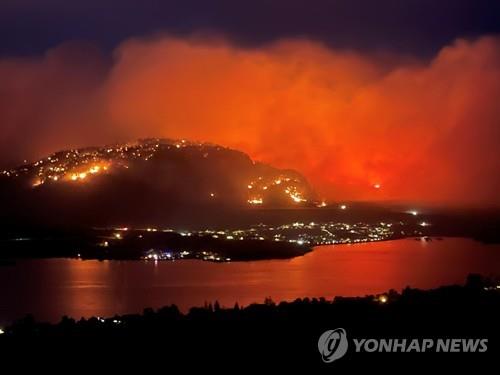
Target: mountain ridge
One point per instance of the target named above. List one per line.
(151, 177)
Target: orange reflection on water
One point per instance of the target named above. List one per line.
(85, 286)
(51, 288)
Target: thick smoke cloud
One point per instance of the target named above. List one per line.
(423, 130)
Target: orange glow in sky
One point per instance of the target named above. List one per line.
(357, 126)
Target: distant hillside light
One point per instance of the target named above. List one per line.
(343, 206)
(377, 186)
(383, 298)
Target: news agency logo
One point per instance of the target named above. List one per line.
(333, 344)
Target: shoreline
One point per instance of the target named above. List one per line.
(304, 250)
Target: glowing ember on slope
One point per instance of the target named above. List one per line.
(293, 188)
(84, 174)
(297, 198)
(79, 164)
(295, 195)
(256, 201)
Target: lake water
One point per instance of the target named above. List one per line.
(51, 288)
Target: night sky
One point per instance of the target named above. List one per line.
(418, 27)
(401, 94)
